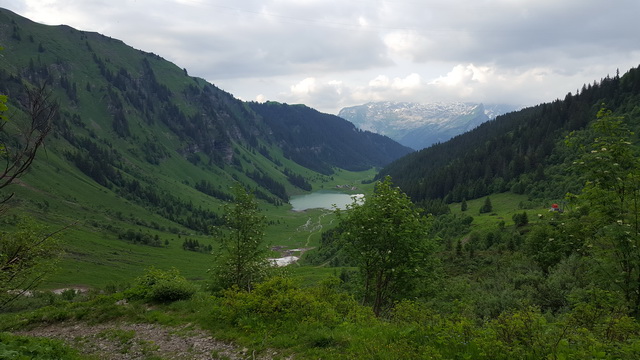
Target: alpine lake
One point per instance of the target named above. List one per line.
(323, 199)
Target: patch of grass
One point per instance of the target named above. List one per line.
(118, 335)
(25, 347)
(95, 257)
(505, 205)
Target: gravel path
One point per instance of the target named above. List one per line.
(142, 341)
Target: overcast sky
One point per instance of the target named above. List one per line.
(329, 54)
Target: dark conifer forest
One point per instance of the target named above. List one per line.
(522, 151)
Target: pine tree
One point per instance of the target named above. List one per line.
(486, 207)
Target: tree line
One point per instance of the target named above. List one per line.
(515, 151)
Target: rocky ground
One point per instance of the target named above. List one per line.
(144, 341)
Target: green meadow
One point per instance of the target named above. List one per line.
(90, 219)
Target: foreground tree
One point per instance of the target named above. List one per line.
(26, 255)
(20, 139)
(242, 257)
(387, 237)
(610, 203)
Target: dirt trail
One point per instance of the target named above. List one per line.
(143, 341)
(313, 228)
(290, 256)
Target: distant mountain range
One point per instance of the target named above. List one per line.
(419, 125)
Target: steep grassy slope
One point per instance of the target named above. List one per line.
(142, 155)
(321, 141)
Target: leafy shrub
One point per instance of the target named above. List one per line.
(280, 301)
(161, 286)
(26, 256)
(24, 347)
(521, 219)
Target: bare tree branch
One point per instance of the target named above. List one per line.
(19, 151)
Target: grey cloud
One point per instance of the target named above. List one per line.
(222, 42)
(502, 34)
(532, 49)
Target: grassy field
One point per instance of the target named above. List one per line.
(95, 256)
(505, 205)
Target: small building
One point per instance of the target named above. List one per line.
(555, 208)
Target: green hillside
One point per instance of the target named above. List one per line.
(522, 151)
(141, 156)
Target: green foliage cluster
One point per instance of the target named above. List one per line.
(270, 184)
(26, 256)
(487, 207)
(449, 227)
(30, 348)
(278, 303)
(322, 321)
(330, 251)
(609, 204)
(140, 238)
(520, 219)
(242, 257)
(161, 286)
(297, 180)
(387, 238)
(207, 187)
(195, 245)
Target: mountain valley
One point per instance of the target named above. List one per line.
(142, 211)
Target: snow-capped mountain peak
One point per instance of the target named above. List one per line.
(419, 125)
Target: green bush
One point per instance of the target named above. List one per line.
(161, 286)
(279, 301)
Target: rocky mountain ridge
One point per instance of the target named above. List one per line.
(419, 125)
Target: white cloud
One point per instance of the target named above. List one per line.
(409, 83)
(402, 42)
(304, 87)
(381, 81)
(333, 53)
